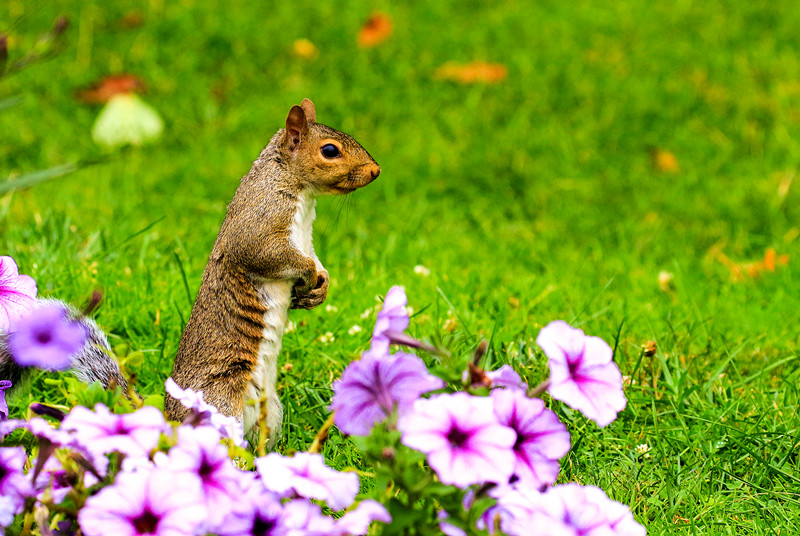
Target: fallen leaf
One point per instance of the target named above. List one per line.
(131, 20)
(470, 73)
(303, 48)
(108, 86)
(664, 161)
(375, 31)
(740, 270)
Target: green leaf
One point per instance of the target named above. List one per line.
(36, 177)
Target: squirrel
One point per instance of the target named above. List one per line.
(92, 362)
(263, 264)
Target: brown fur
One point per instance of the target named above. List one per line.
(219, 348)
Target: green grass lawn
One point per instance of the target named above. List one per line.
(529, 200)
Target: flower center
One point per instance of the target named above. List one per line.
(457, 437)
(44, 337)
(206, 470)
(146, 523)
(262, 526)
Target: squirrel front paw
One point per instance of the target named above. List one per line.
(315, 296)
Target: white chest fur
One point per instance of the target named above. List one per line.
(277, 297)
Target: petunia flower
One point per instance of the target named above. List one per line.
(17, 294)
(371, 387)
(46, 337)
(4, 384)
(566, 509)
(306, 475)
(582, 373)
(357, 521)
(506, 377)
(100, 431)
(200, 452)
(460, 434)
(258, 511)
(542, 439)
(8, 509)
(13, 483)
(56, 481)
(203, 413)
(157, 502)
(392, 319)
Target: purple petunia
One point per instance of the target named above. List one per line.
(8, 509)
(542, 439)
(392, 318)
(506, 377)
(566, 509)
(307, 475)
(100, 431)
(200, 453)
(371, 387)
(582, 373)
(155, 502)
(464, 441)
(46, 337)
(17, 294)
(4, 384)
(205, 413)
(14, 485)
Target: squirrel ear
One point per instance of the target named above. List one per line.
(308, 108)
(296, 127)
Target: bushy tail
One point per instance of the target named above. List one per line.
(93, 362)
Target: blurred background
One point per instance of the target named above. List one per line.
(627, 166)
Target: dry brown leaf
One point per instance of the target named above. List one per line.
(105, 88)
(664, 161)
(470, 73)
(740, 270)
(375, 31)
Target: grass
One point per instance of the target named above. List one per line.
(529, 200)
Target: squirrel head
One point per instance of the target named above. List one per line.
(330, 161)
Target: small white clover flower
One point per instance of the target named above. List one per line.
(421, 270)
(327, 338)
(331, 308)
(290, 327)
(368, 313)
(355, 329)
(643, 450)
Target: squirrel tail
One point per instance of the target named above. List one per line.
(93, 362)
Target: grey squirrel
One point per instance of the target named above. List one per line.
(262, 264)
(93, 362)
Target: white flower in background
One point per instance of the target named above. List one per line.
(331, 308)
(355, 329)
(643, 450)
(421, 270)
(327, 338)
(126, 120)
(290, 327)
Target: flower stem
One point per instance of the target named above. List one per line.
(322, 436)
(539, 389)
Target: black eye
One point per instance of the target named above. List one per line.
(329, 150)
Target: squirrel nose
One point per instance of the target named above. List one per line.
(375, 171)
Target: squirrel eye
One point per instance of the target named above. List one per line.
(329, 150)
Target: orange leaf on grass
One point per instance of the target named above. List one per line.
(375, 31)
(470, 73)
(740, 270)
(108, 86)
(664, 161)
